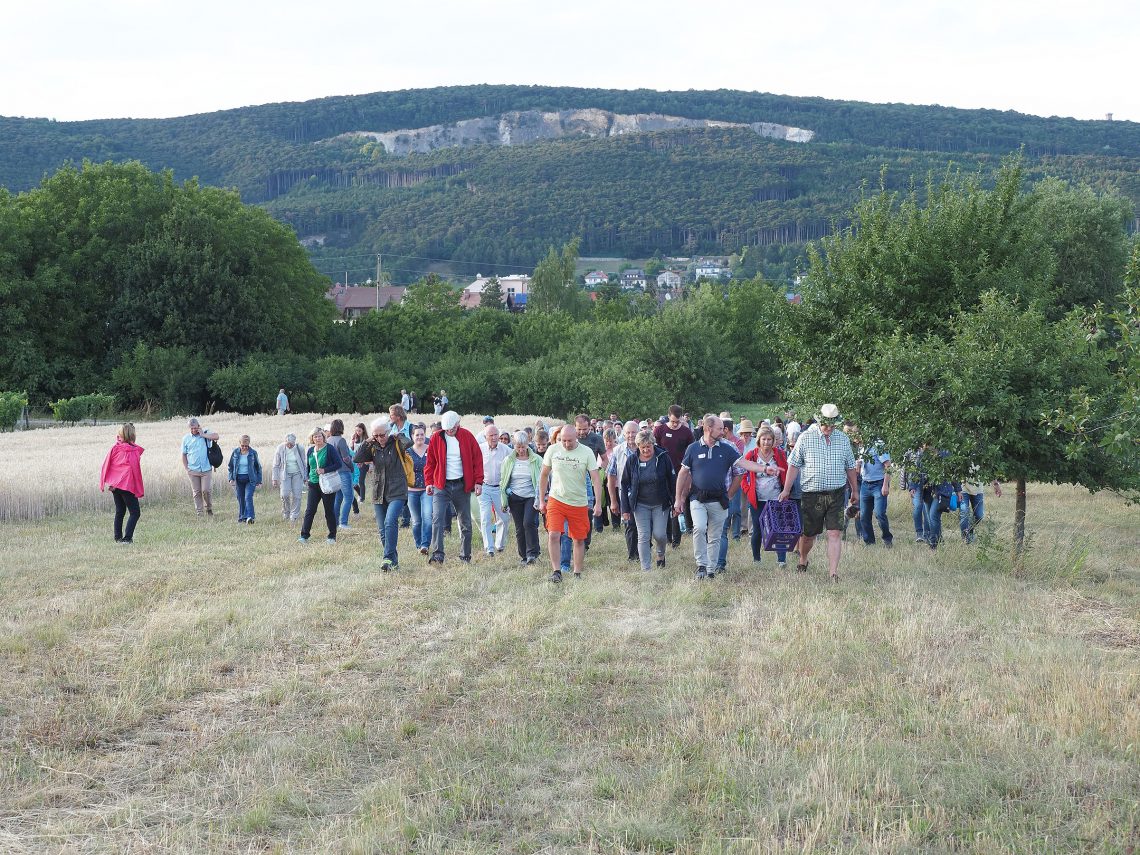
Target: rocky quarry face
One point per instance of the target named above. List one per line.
(520, 127)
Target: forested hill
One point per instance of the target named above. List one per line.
(702, 190)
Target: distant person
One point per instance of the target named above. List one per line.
(320, 458)
(418, 499)
(282, 403)
(413, 403)
(675, 436)
(342, 501)
(494, 519)
(565, 469)
(518, 485)
(619, 460)
(196, 462)
(971, 505)
(453, 471)
(874, 488)
(385, 453)
(245, 477)
(405, 400)
(826, 461)
(123, 474)
(443, 400)
(648, 482)
(290, 472)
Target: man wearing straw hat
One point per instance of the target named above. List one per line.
(826, 463)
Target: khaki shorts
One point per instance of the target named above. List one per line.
(822, 511)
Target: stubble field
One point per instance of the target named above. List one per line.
(223, 688)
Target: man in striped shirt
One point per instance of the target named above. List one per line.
(826, 464)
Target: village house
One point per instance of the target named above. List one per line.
(597, 277)
(633, 278)
(356, 300)
(710, 268)
(515, 290)
(667, 280)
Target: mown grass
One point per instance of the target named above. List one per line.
(223, 688)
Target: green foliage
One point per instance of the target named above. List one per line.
(248, 387)
(344, 385)
(931, 323)
(74, 410)
(161, 380)
(1109, 418)
(135, 259)
(11, 407)
(553, 287)
(492, 296)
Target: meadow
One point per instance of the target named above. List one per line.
(223, 688)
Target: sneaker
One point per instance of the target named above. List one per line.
(781, 565)
(330, 540)
(124, 542)
(523, 562)
(386, 566)
(660, 562)
(344, 526)
(702, 573)
(250, 520)
(435, 559)
(423, 550)
(466, 560)
(210, 512)
(920, 540)
(556, 576)
(241, 520)
(887, 544)
(531, 561)
(490, 553)
(721, 569)
(302, 539)
(577, 574)
(711, 573)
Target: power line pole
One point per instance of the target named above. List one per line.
(379, 265)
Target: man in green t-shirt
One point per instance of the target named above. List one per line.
(565, 468)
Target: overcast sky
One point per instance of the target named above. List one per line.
(149, 58)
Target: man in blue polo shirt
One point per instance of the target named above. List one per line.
(875, 467)
(710, 472)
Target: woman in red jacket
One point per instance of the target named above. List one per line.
(759, 489)
(122, 473)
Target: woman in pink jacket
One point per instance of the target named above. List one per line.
(122, 473)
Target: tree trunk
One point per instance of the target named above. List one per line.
(1019, 516)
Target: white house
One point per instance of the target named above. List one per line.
(668, 280)
(517, 285)
(597, 277)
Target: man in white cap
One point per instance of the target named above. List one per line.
(824, 460)
(452, 472)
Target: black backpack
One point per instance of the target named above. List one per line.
(213, 453)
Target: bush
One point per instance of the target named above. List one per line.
(11, 407)
(245, 388)
(171, 380)
(74, 410)
(345, 385)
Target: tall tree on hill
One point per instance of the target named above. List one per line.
(934, 323)
(553, 287)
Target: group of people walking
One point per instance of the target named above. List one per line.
(654, 480)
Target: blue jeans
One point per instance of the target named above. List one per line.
(708, 522)
(918, 513)
(871, 499)
(932, 519)
(243, 489)
(970, 512)
(757, 540)
(342, 501)
(419, 504)
(651, 529)
(388, 522)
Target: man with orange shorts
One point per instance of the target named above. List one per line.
(565, 468)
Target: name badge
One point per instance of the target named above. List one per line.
(669, 435)
(701, 456)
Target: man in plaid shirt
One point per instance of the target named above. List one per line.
(826, 464)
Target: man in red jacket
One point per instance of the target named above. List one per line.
(453, 471)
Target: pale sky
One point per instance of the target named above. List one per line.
(120, 58)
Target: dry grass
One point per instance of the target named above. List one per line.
(67, 479)
(223, 688)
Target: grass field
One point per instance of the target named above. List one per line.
(224, 688)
